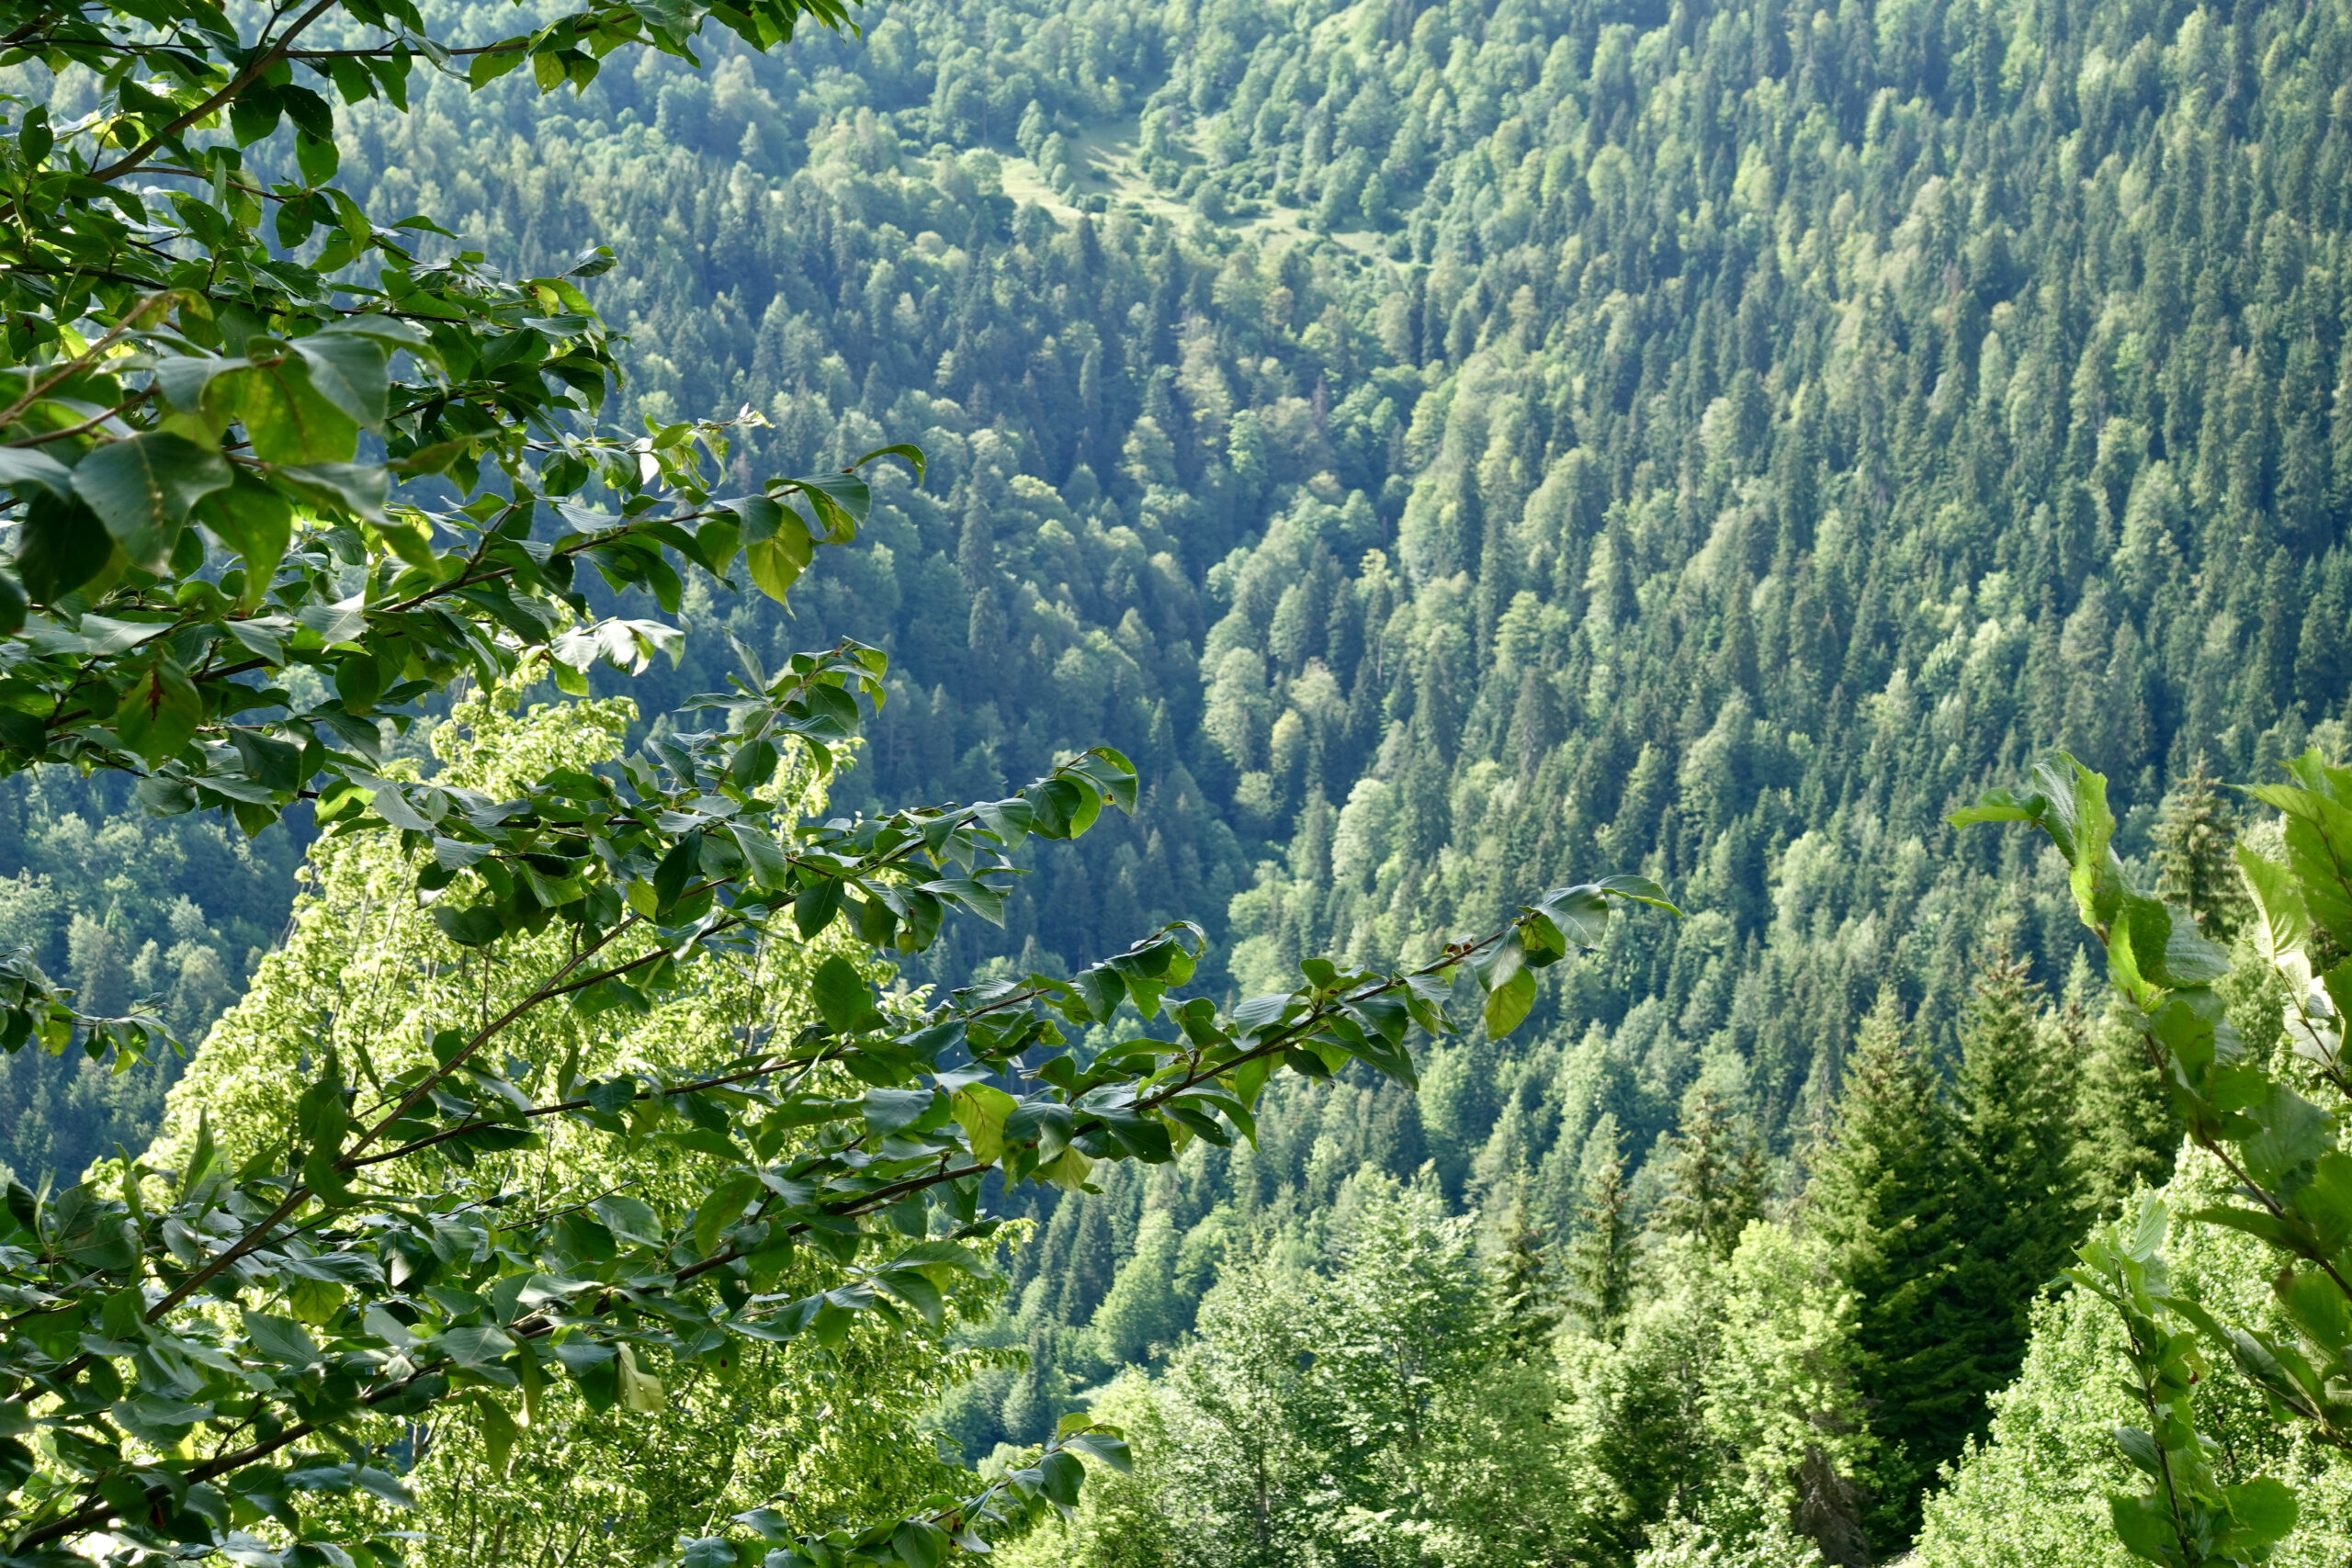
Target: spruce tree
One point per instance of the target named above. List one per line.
(1715, 1174)
(2021, 1199)
(1527, 1292)
(2128, 1138)
(1882, 1200)
(2194, 830)
(1601, 1260)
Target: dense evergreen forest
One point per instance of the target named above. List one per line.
(1458, 449)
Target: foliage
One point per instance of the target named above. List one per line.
(1717, 439)
(1286, 1429)
(2191, 1518)
(1881, 1202)
(2194, 835)
(1600, 1266)
(213, 590)
(1530, 1308)
(2036, 1491)
(1714, 1176)
(2247, 1111)
(185, 420)
(818, 1434)
(1739, 538)
(1354, 1412)
(122, 906)
(2021, 1182)
(2129, 1140)
(358, 1306)
(1729, 1405)
(2119, 497)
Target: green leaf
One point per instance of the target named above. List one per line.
(1508, 1004)
(143, 489)
(677, 868)
(920, 1544)
(1106, 1444)
(765, 1523)
(1639, 890)
(316, 157)
(499, 1433)
(308, 110)
(762, 852)
(2140, 1450)
(253, 114)
(1063, 1476)
(1101, 990)
(891, 1111)
(25, 472)
(725, 1205)
(282, 1340)
(2289, 1132)
(761, 517)
(358, 489)
(344, 1267)
(840, 501)
(348, 368)
(320, 1174)
(980, 1111)
(631, 1219)
(253, 520)
(2263, 1509)
(814, 908)
(287, 418)
(913, 455)
(841, 994)
(776, 562)
(917, 1292)
(639, 1390)
(61, 547)
(160, 713)
(2282, 920)
(473, 1344)
(946, 1254)
(2144, 1527)
(469, 928)
(159, 1421)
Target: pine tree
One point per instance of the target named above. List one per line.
(2128, 1138)
(2021, 1201)
(1529, 1298)
(1601, 1260)
(1882, 1199)
(2194, 830)
(1715, 1174)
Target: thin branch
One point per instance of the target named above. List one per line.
(88, 357)
(129, 161)
(87, 426)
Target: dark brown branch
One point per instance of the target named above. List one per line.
(129, 161)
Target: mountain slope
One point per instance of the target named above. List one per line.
(1462, 448)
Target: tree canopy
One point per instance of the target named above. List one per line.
(216, 588)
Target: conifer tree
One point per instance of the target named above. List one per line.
(1880, 1199)
(1528, 1297)
(1601, 1260)
(2127, 1137)
(2194, 830)
(1715, 1174)
(2020, 1200)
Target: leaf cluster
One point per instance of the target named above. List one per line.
(2282, 1148)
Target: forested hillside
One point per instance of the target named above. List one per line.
(1460, 449)
(1556, 439)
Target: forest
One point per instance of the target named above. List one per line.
(1631, 484)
